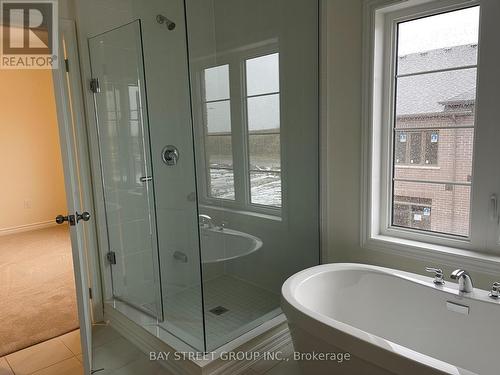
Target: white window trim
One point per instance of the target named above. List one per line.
(374, 233)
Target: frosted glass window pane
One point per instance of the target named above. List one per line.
(263, 75)
(218, 117)
(264, 113)
(442, 41)
(217, 83)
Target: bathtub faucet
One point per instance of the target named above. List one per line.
(464, 280)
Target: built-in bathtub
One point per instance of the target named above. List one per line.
(390, 321)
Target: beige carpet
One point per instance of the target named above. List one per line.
(37, 288)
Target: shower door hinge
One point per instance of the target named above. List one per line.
(94, 85)
(90, 293)
(111, 257)
(66, 65)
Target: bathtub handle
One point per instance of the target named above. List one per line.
(438, 275)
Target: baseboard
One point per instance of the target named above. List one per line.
(27, 227)
(272, 340)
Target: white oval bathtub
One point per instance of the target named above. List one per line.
(390, 321)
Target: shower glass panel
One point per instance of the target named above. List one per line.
(254, 95)
(127, 176)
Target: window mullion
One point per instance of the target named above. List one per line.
(238, 126)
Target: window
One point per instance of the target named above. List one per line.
(421, 148)
(434, 101)
(432, 126)
(248, 122)
(263, 121)
(412, 212)
(218, 141)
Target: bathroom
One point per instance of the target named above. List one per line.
(281, 186)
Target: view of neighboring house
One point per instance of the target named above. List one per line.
(433, 139)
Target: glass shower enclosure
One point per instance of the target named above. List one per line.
(126, 172)
(206, 218)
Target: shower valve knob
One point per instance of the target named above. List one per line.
(170, 155)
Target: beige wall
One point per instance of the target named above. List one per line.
(343, 169)
(31, 175)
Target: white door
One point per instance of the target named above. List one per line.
(77, 216)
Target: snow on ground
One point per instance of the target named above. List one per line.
(265, 186)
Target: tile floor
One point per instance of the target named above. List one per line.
(113, 354)
(246, 304)
(58, 356)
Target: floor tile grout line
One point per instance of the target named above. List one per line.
(43, 342)
(8, 364)
(75, 354)
(43, 368)
(108, 342)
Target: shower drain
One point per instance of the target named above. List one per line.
(219, 310)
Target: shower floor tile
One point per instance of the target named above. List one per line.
(241, 307)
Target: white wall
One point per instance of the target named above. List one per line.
(343, 40)
(31, 175)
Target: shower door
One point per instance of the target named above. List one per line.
(118, 84)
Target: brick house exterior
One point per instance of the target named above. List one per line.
(433, 140)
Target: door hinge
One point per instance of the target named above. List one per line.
(94, 85)
(90, 293)
(111, 257)
(66, 64)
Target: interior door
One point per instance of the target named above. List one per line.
(118, 84)
(77, 216)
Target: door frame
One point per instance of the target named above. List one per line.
(68, 29)
(75, 145)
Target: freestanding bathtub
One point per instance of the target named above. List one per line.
(390, 322)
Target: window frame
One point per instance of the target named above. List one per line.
(388, 118)
(379, 41)
(245, 126)
(236, 60)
